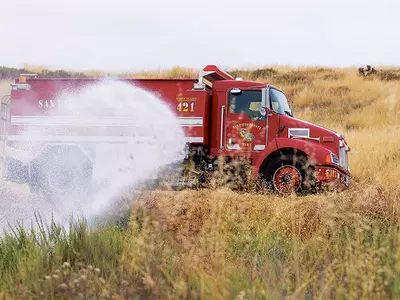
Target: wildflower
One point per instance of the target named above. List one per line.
(66, 264)
(97, 270)
(83, 277)
(55, 276)
(241, 295)
(63, 286)
(47, 277)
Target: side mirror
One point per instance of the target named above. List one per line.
(291, 110)
(263, 111)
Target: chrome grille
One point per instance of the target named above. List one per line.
(343, 157)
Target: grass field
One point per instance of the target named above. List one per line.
(223, 245)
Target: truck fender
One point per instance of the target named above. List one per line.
(256, 165)
(316, 152)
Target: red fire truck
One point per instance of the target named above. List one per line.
(223, 118)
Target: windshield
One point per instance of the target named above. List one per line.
(279, 103)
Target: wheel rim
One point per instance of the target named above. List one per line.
(61, 181)
(287, 180)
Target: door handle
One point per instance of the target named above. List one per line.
(221, 136)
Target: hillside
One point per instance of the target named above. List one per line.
(223, 245)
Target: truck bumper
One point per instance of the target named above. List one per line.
(332, 178)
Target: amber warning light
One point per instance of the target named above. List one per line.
(22, 84)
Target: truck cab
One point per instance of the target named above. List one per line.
(254, 120)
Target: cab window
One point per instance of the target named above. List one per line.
(246, 102)
(279, 103)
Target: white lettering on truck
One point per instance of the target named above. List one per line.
(46, 103)
(51, 104)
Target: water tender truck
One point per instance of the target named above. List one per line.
(221, 116)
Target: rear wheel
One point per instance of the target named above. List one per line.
(60, 171)
(68, 177)
(287, 174)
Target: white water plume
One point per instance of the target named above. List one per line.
(145, 133)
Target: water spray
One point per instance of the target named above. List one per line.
(128, 134)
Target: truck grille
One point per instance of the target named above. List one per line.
(343, 158)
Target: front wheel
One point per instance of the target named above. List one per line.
(287, 179)
(289, 174)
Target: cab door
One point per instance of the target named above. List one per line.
(245, 125)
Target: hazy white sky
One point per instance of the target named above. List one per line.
(132, 35)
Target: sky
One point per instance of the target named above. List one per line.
(128, 35)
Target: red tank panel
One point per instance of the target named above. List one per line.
(191, 107)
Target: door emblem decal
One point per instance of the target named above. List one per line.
(246, 135)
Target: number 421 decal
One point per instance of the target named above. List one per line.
(185, 107)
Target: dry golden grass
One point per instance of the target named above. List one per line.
(175, 72)
(223, 245)
(219, 244)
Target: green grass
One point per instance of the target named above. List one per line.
(28, 256)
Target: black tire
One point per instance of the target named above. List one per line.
(288, 173)
(60, 171)
(67, 177)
